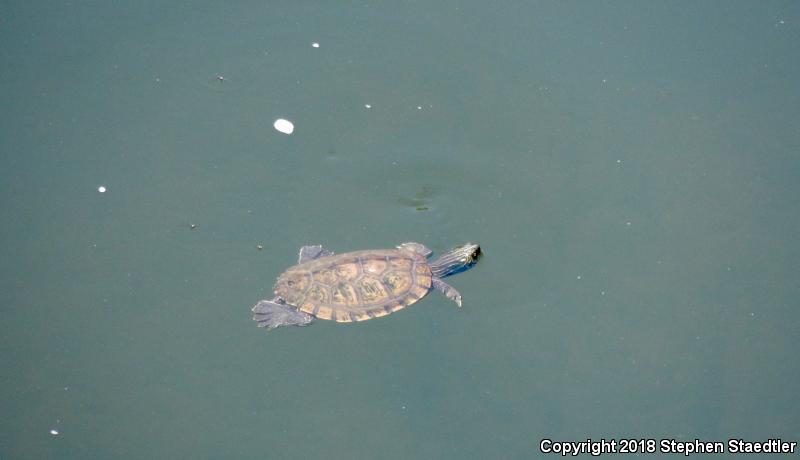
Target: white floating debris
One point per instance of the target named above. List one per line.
(54, 432)
(284, 126)
(419, 107)
(101, 189)
(315, 45)
(369, 106)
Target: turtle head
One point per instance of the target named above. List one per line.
(459, 259)
(468, 253)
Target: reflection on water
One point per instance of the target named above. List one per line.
(421, 200)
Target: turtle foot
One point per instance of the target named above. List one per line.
(449, 291)
(271, 314)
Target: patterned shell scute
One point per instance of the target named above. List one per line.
(356, 286)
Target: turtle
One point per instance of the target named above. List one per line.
(360, 285)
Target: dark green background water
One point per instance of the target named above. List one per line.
(631, 169)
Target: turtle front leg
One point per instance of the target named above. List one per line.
(447, 290)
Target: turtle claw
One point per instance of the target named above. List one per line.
(454, 296)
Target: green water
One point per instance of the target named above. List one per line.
(631, 169)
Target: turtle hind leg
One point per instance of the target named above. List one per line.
(271, 314)
(449, 291)
(309, 253)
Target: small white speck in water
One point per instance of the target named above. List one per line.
(54, 432)
(315, 45)
(284, 126)
(101, 189)
(368, 106)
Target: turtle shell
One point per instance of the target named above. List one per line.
(356, 286)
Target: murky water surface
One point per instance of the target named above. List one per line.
(631, 170)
